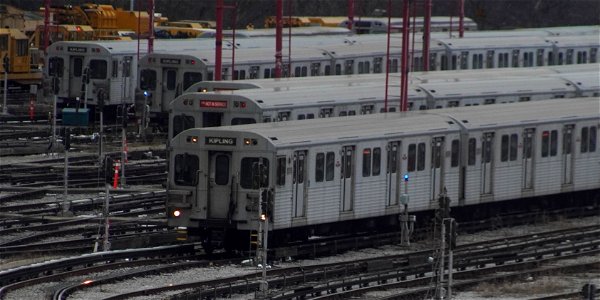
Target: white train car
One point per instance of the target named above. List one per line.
(338, 175)
(306, 102)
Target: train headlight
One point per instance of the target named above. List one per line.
(176, 213)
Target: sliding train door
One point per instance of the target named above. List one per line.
(567, 154)
(528, 158)
(299, 184)
(487, 161)
(347, 178)
(437, 167)
(219, 185)
(393, 173)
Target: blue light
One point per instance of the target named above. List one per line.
(405, 177)
(146, 93)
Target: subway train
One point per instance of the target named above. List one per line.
(349, 174)
(311, 98)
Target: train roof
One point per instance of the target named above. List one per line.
(296, 31)
(584, 80)
(493, 42)
(365, 127)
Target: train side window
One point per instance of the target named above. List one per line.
(315, 68)
(515, 58)
(301, 117)
(489, 101)
(239, 74)
(310, 116)
(412, 158)
(297, 72)
(267, 73)
(56, 66)
(455, 153)
(422, 107)
(366, 169)
(392, 109)
(327, 70)
(569, 56)
(267, 119)
(377, 62)
(249, 173)
(352, 113)
(588, 139)
(242, 121)
(524, 99)
(421, 157)
(281, 166)
(254, 72)
(367, 109)
(326, 113)
(394, 67)
(593, 55)
(338, 69)
(489, 59)
(464, 60)
(222, 170)
(514, 145)
(545, 143)
(181, 123)
(190, 78)
(320, 167)
(540, 57)
(98, 69)
(22, 47)
(472, 151)
(329, 166)
(3, 42)
(349, 67)
(186, 166)
(343, 113)
(581, 57)
(376, 161)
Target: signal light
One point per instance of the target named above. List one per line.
(176, 213)
(263, 217)
(405, 177)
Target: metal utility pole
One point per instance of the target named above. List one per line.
(426, 35)
(404, 63)
(461, 18)
(46, 25)
(351, 14)
(405, 231)
(150, 26)
(219, 41)
(278, 38)
(6, 64)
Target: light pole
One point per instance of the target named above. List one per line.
(404, 231)
(6, 64)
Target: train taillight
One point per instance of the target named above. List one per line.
(177, 213)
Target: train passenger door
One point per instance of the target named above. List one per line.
(567, 154)
(219, 185)
(347, 178)
(75, 73)
(299, 183)
(393, 169)
(437, 170)
(487, 147)
(169, 86)
(528, 157)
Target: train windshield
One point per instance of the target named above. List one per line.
(148, 80)
(186, 167)
(254, 172)
(98, 69)
(190, 78)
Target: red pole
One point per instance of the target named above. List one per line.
(234, 7)
(350, 14)
(461, 18)
(219, 40)
(139, 29)
(414, 28)
(426, 35)
(405, 49)
(116, 165)
(387, 55)
(46, 25)
(31, 107)
(150, 26)
(278, 38)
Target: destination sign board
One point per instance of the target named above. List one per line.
(220, 141)
(213, 103)
(170, 61)
(77, 49)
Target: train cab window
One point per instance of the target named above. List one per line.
(455, 153)
(320, 167)
(171, 79)
(310, 116)
(472, 152)
(253, 174)
(222, 170)
(181, 123)
(367, 109)
(242, 121)
(190, 78)
(148, 79)
(366, 169)
(56, 65)
(376, 170)
(301, 117)
(343, 113)
(22, 47)
(326, 113)
(329, 166)
(283, 116)
(186, 166)
(77, 66)
(281, 167)
(98, 69)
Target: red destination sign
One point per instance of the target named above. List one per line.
(213, 104)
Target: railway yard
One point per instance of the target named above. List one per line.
(208, 166)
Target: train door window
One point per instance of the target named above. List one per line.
(320, 167)
(126, 72)
(524, 99)
(222, 170)
(98, 69)
(186, 166)
(377, 63)
(224, 73)
(454, 61)
(560, 58)
(210, 76)
(297, 72)
(472, 152)
(504, 148)
(489, 101)
(366, 169)
(283, 116)
(422, 107)
(242, 121)
(115, 69)
(329, 166)
(444, 62)
(464, 60)
(503, 60)
(545, 143)
(189, 78)
(239, 74)
(376, 161)
(267, 119)
(310, 116)
(593, 55)
(478, 61)
(540, 57)
(569, 56)
(584, 139)
(392, 109)
(489, 59)
(367, 109)
(148, 79)
(343, 113)
(338, 69)
(349, 67)
(588, 139)
(55, 67)
(326, 113)
(394, 66)
(527, 59)
(421, 157)
(315, 69)
(304, 71)
(253, 173)
(581, 57)
(281, 168)
(417, 64)
(3, 42)
(455, 153)
(181, 123)
(171, 79)
(432, 61)
(361, 67)
(514, 146)
(254, 70)
(553, 142)
(327, 70)
(367, 67)
(22, 47)
(77, 66)
(453, 103)
(352, 113)
(301, 117)
(267, 73)
(515, 58)
(412, 158)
